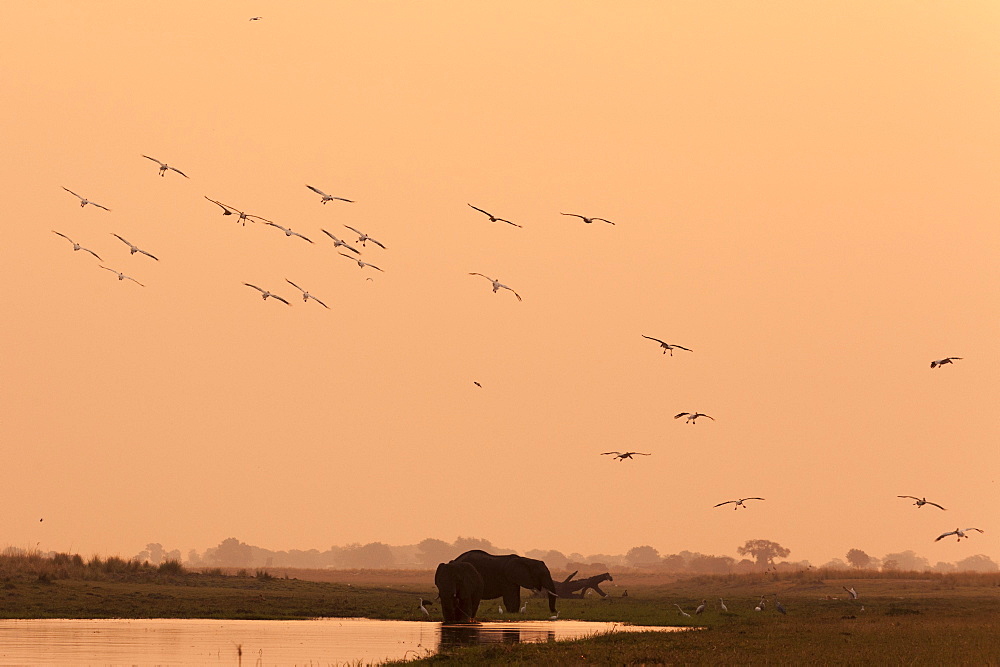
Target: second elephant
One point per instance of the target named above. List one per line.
(505, 576)
(460, 588)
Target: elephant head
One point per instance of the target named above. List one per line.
(460, 587)
(532, 574)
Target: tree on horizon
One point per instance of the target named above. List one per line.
(763, 551)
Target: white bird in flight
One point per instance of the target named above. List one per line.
(84, 201)
(692, 416)
(326, 197)
(306, 295)
(493, 218)
(959, 532)
(164, 166)
(360, 262)
(288, 232)
(229, 210)
(132, 249)
(122, 276)
(496, 284)
(942, 362)
(338, 242)
(363, 238)
(667, 347)
(77, 246)
(921, 501)
(739, 503)
(264, 294)
(586, 219)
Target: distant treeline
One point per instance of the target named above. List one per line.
(758, 555)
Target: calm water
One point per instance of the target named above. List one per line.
(327, 641)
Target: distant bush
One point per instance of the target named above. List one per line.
(24, 565)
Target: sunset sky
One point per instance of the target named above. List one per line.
(805, 194)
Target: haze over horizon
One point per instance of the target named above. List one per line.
(803, 195)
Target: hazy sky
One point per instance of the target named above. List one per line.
(805, 195)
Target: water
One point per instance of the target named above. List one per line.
(326, 641)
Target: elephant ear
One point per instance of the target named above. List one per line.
(518, 570)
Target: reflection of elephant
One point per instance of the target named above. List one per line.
(461, 588)
(505, 576)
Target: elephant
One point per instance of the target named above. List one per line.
(505, 576)
(460, 587)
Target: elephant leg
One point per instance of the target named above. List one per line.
(512, 599)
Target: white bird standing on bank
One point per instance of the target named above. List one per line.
(739, 503)
(338, 242)
(363, 238)
(423, 608)
(326, 197)
(959, 532)
(586, 219)
(132, 249)
(493, 218)
(289, 232)
(306, 295)
(701, 607)
(264, 294)
(84, 201)
(722, 605)
(667, 347)
(683, 613)
(691, 416)
(77, 246)
(360, 262)
(921, 501)
(122, 276)
(942, 362)
(164, 166)
(496, 284)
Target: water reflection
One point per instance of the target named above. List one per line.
(48, 642)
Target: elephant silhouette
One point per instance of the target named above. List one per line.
(460, 587)
(505, 576)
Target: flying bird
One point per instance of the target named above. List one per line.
(477, 384)
(326, 197)
(338, 242)
(164, 166)
(256, 18)
(621, 456)
(739, 503)
(586, 219)
(921, 501)
(77, 246)
(288, 232)
(306, 295)
(122, 276)
(959, 532)
(493, 218)
(942, 362)
(84, 201)
(692, 416)
(667, 347)
(229, 210)
(363, 238)
(264, 294)
(132, 249)
(360, 262)
(497, 284)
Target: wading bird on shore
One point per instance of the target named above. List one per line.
(423, 608)
(850, 591)
(122, 276)
(338, 243)
(621, 456)
(164, 166)
(942, 362)
(306, 295)
(921, 501)
(779, 606)
(692, 416)
(739, 503)
(132, 249)
(364, 238)
(326, 197)
(264, 294)
(586, 219)
(360, 262)
(243, 217)
(701, 607)
(289, 232)
(667, 347)
(84, 201)
(959, 532)
(77, 246)
(722, 605)
(683, 613)
(496, 284)
(493, 218)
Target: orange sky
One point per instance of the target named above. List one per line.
(805, 195)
